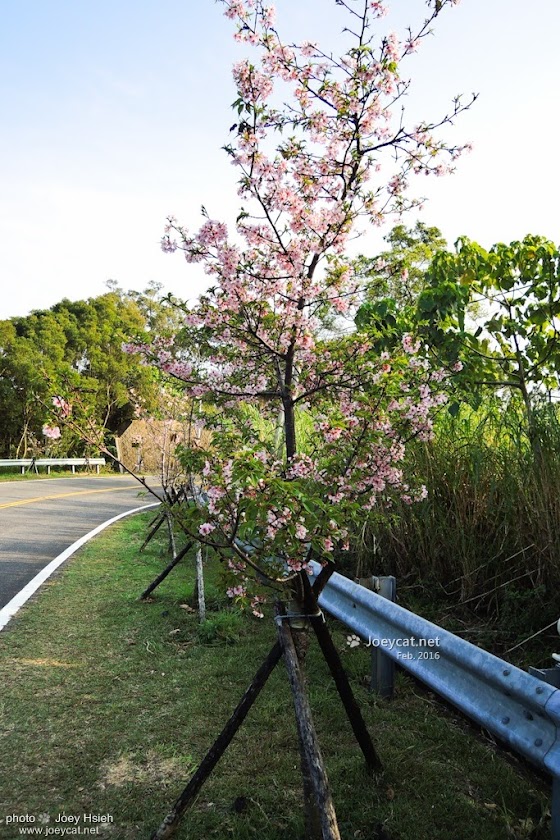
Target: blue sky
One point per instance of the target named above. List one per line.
(114, 114)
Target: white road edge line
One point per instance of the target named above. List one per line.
(11, 608)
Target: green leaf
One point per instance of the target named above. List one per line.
(426, 302)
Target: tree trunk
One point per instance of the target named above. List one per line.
(23, 442)
(278, 432)
(289, 427)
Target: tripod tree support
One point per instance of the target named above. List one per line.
(171, 821)
(316, 786)
(169, 568)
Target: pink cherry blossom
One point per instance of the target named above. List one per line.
(51, 432)
(63, 407)
(206, 528)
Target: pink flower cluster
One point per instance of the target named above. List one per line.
(64, 408)
(206, 528)
(238, 591)
(51, 432)
(252, 85)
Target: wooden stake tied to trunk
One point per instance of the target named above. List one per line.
(320, 814)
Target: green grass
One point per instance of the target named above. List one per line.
(108, 704)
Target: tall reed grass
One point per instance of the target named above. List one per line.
(488, 535)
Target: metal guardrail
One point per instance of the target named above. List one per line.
(35, 463)
(521, 710)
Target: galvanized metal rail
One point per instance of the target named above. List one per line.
(521, 710)
(35, 463)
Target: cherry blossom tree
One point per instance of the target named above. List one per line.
(306, 428)
(336, 153)
(323, 149)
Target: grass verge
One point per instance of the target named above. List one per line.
(10, 474)
(108, 704)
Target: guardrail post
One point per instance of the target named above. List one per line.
(552, 677)
(547, 675)
(382, 666)
(555, 809)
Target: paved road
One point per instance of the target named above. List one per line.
(40, 518)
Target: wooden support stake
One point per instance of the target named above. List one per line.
(307, 735)
(322, 579)
(200, 585)
(172, 546)
(171, 821)
(154, 519)
(154, 530)
(340, 678)
(169, 568)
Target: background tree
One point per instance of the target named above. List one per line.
(399, 273)
(21, 387)
(499, 310)
(496, 310)
(75, 348)
(393, 282)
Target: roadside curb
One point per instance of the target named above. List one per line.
(11, 608)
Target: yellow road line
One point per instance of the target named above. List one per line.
(63, 496)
